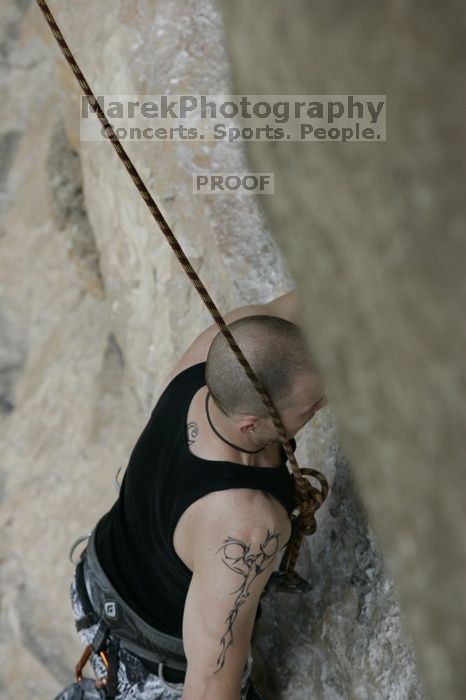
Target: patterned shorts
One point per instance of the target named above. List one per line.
(135, 681)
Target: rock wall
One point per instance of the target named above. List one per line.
(374, 235)
(95, 310)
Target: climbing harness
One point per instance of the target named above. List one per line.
(119, 626)
(135, 635)
(308, 498)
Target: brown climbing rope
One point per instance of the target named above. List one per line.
(308, 498)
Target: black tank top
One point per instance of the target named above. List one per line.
(134, 538)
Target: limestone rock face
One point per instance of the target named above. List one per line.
(95, 310)
(374, 235)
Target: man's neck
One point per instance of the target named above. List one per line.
(245, 440)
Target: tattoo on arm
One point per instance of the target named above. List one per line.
(192, 432)
(238, 557)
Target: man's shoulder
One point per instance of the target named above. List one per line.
(242, 499)
(249, 513)
(180, 373)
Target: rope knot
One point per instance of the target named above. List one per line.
(309, 498)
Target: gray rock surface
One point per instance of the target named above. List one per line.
(374, 235)
(95, 312)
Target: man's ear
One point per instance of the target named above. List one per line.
(247, 423)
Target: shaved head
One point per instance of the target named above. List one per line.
(278, 353)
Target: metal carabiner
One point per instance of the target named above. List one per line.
(84, 658)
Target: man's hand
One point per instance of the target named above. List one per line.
(234, 552)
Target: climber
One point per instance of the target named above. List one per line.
(167, 591)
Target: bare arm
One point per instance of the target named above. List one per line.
(285, 306)
(233, 560)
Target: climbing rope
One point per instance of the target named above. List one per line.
(308, 498)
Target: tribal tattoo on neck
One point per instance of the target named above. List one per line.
(192, 431)
(237, 555)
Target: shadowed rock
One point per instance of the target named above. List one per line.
(64, 172)
(374, 235)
